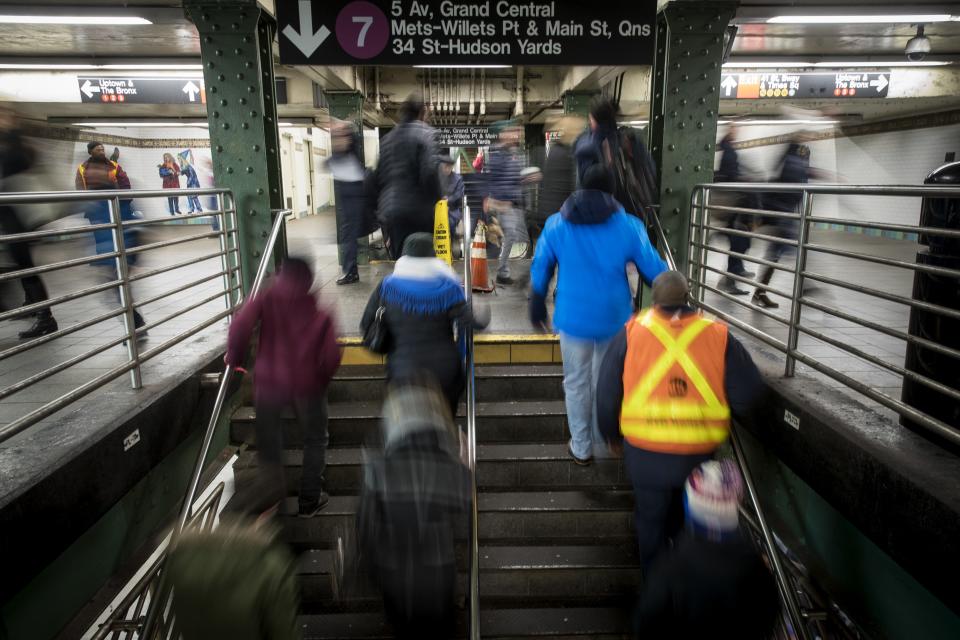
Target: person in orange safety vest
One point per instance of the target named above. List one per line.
(666, 390)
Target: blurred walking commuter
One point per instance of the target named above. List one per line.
(453, 190)
(236, 581)
(170, 172)
(559, 172)
(420, 307)
(590, 242)
(730, 171)
(95, 174)
(297, 355)
(349, 188)
(504, 167)
(16, 158)
(412, 497)
(713, 583)
(668, 385)
(408, 176)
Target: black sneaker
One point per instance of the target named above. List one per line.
(729, 285)
(506, 280)
(349, 278)
(42, 326)
(744, 273)
(310, 508)
(761, 300)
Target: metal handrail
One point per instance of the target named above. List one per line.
(787, 594)
(225, 213)
(698, 268)
(470, 397)
(158, 603)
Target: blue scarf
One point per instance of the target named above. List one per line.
(421, 296)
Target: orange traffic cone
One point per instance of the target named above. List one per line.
(478, 260)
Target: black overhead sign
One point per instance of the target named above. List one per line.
(465, 136)
(142, 90)
(466, 32)
(798, 86)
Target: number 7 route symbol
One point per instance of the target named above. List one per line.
(366, 21)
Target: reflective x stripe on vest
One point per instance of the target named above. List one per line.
(666, 415)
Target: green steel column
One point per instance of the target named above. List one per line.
(578, 102)
(348, 105)
(684, 106)
(236, 47)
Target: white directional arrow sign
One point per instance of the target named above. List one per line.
(191, 90)
(728, 84)
(89, 89)
(880, 83)
(307, 40)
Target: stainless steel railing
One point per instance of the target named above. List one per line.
(739, 312)
(229, 292)
(471, 402)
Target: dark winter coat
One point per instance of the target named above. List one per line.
(706, 589)
(559, 181)
(408, 174)
(298, 353)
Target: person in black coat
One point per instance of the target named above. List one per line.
(559, 172)
(408, 176)
(425, 311)
(712, 583)
(349, 188)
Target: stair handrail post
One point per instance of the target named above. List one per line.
(474, 577)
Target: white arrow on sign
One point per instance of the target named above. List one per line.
(307, 40)
(880, 83)
(89, 89)
(191, 90)
(728, 84)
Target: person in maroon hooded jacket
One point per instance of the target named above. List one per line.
(296, 359)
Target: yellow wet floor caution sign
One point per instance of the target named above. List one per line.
(441, 232)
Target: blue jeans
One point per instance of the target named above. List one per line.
(194, 203)
(581, 367)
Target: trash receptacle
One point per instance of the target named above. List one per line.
(943, 291)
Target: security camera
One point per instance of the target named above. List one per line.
(918, 46)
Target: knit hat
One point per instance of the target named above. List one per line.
(419, 245)
(92, 144)
(711, 497)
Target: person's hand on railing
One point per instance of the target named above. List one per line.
(236, 368)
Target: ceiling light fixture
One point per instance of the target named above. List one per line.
(74, 20)
(123, 124)
(863, 19)
(776, 122)
(99, 67)
(461, 66)
(836, 64)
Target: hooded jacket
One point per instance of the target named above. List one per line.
(591, 240)
(298, 352)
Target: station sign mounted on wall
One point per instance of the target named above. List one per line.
(465, 136)
(466, 32)
(824, 86)
(142, 90)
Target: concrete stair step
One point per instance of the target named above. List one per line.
(351, 423)
(500, 466)
(566, 517)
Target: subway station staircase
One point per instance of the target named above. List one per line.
(557, 555)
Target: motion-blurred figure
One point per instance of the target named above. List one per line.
(590, 241)
(559, 172)
(730, 171)
(349, 180)
(504, 166)
(713, 583)
(453, 192)
(408, 175)
(16, 157)
(422, 306)
(667, 386)
(297, 355)
(170, 172)
(411, 499)
(794, 168)
(99, 173)
(235, 582)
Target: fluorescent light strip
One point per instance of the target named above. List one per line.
(776, 122)
(864, 19)
(461, 66)
(839, 64)
(201, 125)
(101, 67)
(74, 20)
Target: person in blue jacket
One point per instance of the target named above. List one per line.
(193, 182)
(590, 240)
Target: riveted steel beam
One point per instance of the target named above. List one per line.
(236, 48)
(684, 108)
